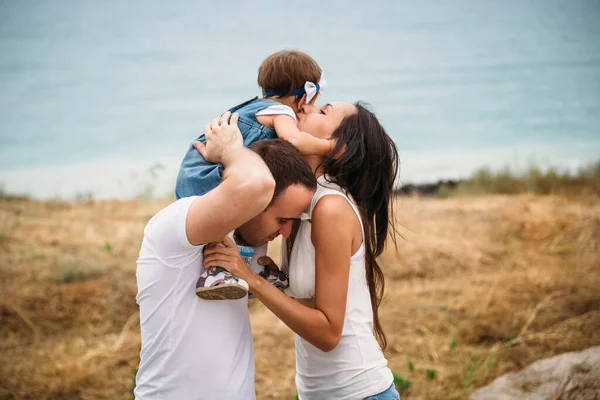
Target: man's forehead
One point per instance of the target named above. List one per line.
(289, 208)
(292, 196)
(285, 219)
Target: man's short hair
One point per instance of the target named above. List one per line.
(286, 164)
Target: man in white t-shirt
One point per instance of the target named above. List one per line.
(202, 349)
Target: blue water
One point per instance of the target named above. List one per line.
(93, 93)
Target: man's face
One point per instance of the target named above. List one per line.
(278, 218)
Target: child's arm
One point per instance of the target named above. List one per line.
(286, 129)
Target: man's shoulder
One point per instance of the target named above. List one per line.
(178, 205)
(174, 213)
(165, 234)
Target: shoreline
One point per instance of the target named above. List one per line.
(157, 182)
(118, 179)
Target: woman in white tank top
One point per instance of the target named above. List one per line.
(332, 262)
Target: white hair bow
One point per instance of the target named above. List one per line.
(312, 89)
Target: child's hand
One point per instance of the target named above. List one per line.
(267, 261)
(223, 138)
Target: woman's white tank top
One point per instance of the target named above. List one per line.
(356, 368)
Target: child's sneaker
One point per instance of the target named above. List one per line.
(216, 283)
(277, 278)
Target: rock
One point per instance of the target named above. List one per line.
(568, 376)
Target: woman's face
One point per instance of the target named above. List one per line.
(322, 121)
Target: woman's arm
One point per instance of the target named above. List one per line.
(334, 225)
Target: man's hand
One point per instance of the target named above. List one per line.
(227, 255)
(223, 139)
(246, 187)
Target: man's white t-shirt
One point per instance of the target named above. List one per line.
(191, 348)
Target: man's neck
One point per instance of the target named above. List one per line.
(238, 239)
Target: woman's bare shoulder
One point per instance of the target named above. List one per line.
(334, 208)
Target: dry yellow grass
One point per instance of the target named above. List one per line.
(508, 279)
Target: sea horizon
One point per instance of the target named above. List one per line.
(103, 99)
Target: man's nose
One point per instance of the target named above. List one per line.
(286, 229)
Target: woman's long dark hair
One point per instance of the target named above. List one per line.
(367, 169)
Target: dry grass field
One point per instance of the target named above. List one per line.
(479, 286)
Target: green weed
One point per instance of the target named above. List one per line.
(400, 383)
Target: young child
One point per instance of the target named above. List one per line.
(288, 79)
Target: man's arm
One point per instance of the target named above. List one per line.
(246, 190)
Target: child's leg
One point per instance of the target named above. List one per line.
(196, 175)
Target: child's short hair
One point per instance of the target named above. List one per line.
(287, 70)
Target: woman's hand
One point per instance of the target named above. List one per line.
(227, 255)
(223, 139)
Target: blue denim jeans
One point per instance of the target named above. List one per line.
(198, 176)
(389, 394)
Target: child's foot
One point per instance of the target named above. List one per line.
(216, 283)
